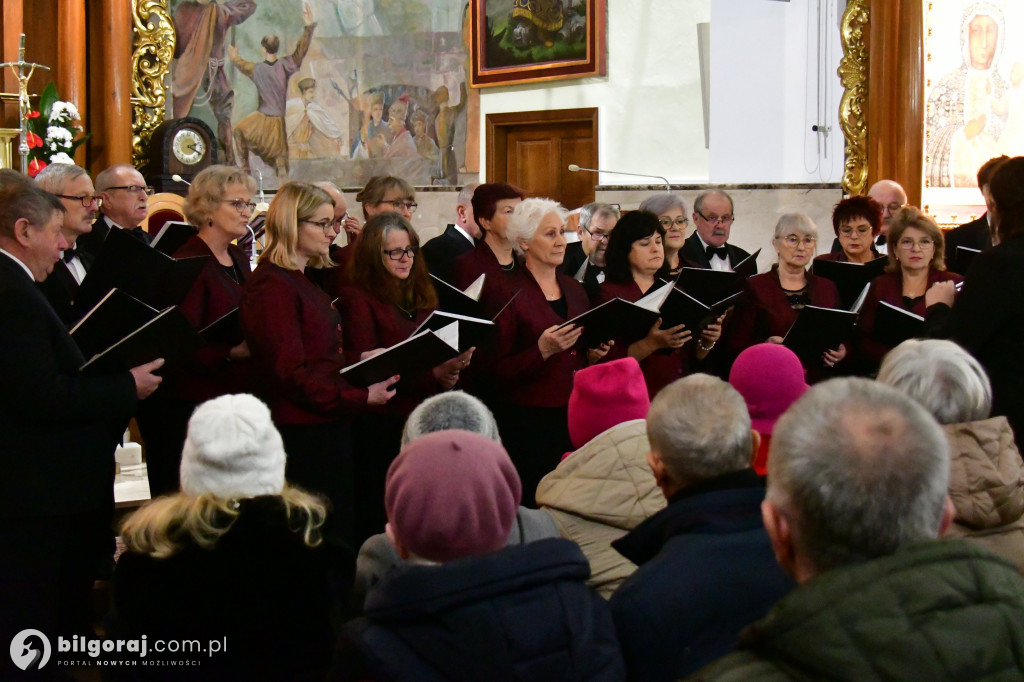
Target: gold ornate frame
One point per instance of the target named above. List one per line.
(152, 52)
(853, 74)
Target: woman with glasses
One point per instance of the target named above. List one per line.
(218, 204)
(857, 221)
(635, 254)
(390, 295)
(671, 212)
(294, 335)
(772, 301)
(384, 193)
(916, 262)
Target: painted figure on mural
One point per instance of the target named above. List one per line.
(444, 126)
(198, 75)
(263, 132)
(425, 145)
(316, 136)
(402, 144)
(969, 110)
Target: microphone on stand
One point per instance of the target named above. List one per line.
(573, 168)
(178, 178)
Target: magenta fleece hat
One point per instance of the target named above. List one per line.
(605, 395)
(452, 494)
(770, 378)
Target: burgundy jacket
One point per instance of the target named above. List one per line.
(294, 335)
(333, 280)
(499, 285)
(371, 323)
(888, 287)
(661, 367)
(209, 373)
(518, 373)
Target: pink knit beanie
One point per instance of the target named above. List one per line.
(604, 395)
(452, 494)
(770, 378)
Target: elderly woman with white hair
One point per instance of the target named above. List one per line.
(772, 301)
(986, 480)
(533, 359)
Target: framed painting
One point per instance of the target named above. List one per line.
(526, 41)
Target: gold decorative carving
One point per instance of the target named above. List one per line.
(853, 74)
(153, 50)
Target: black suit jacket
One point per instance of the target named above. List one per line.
(89, 244)
(60, 289)
(574, 258)
(58, 429)
(441, 252)
(693, 253)
(973, 235)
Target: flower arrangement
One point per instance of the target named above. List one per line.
(52, 131)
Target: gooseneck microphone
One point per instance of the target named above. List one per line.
(573, 168)
(178, 178)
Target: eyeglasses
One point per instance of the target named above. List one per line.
(793, 241)
(324, 225)
(596, 236)
(667, 223)
(134, 189)
(86, 199)
(923, 243)
(410, 206)
(849, 231)
(340, 220)
(241, 204)
(892, 208)
(396, 254)
(717, 220)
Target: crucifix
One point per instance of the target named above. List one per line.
(23, 72)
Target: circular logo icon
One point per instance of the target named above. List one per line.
(30, 649)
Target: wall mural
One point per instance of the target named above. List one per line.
(326, 89)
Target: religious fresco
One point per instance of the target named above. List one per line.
(974, 89)
(327, 89)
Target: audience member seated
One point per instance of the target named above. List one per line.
(857, 221)
(857, 481)
(770, 378)
(605, 488)
(458, 238)
(443, 412)
(706, 568)
(465, 606)
(986, 480)
(235, 556)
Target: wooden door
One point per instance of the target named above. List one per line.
(533, 150)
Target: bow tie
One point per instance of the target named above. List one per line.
(720, 251)
(880, 241)
(68, 255)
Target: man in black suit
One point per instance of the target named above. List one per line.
(125, 196)
(457, 239)
(72, 185)
(708, 246)
(976, 234)
(584, 260)
(58, 431)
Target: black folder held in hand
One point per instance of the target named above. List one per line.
(422, 351)
(116, 316)
(817, 330)
(472, 330)
(895, 325)
(226, 330)
(850, 278)
(452, 300)
(169, 335)
(172, 236)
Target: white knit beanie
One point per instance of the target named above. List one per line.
(232, 449)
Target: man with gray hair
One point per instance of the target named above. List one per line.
(72, 185)
(584, 260)
(857, 476)
(708, 246)
(458, 238)
(706, 568)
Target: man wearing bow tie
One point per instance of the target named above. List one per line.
(125, 205)
(72, 185)
(707, 247)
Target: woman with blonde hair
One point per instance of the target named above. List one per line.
(235, 547)
(295, 336)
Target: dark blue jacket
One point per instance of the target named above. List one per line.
(706, 571)
(522, 613)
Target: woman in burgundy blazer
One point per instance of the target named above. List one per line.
(857, 221)
(532, 361)
(390, 296)
(772, 301)
(295, 334)
(493, 203)
(219, 205)
(916, 262)
(635, 254)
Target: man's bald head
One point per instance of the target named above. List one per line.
(891, 195)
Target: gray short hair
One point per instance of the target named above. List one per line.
(105, 179)
(795, 222)
(942, 376)
(526, 217)
(698, 203)
(55, 177)
(860, 470)
(662, 203)
(450, 410)
(588, 212)
(700, 428)
(465, 197)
